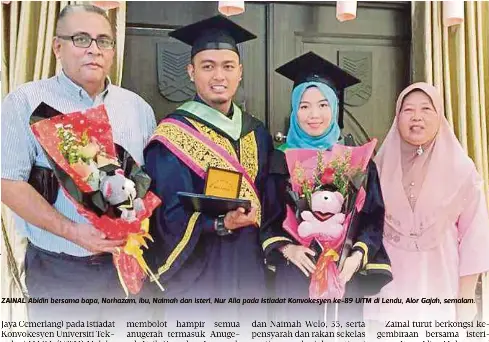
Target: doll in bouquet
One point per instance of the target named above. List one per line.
(313, 175)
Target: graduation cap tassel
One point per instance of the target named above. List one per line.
(229, 8)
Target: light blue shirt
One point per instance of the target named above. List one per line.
(131, 118)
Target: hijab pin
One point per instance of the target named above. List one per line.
(419, 150)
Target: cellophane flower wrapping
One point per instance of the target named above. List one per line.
(76, 145)
(341, 169)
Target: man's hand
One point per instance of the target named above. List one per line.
(92, 239)
(297, 254)
(26, 202)
(350, 266)
(238, 219)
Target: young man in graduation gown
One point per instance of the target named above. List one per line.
(197, 255)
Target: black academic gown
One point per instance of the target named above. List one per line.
(291, 282)
(202, 264)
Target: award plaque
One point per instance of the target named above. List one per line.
(221, 192)
(222, 183)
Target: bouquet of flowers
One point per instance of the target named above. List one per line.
(103, 181)
(326, 191)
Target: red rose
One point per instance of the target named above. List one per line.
(328, 176)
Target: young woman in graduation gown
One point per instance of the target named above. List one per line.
(314, 125)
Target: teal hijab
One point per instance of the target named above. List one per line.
(296, 137)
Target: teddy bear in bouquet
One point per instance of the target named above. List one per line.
(325, 220)
(120, 192)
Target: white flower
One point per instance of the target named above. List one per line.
(94, 179)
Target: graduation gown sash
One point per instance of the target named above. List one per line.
(202, 147)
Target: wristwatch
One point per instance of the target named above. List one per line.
(220, 228)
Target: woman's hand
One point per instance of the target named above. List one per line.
(350, 266)
(466, 312)
(297, 254)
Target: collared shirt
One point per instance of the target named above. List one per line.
(131, 118)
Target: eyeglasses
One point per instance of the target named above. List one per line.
(85, 41)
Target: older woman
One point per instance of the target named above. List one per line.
(437, 228)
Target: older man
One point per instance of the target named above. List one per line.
(66, 256)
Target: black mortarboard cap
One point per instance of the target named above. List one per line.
(215, 33)
(311, 67)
